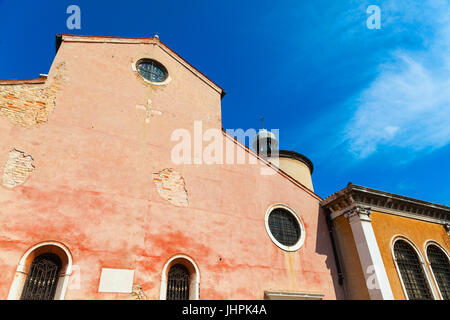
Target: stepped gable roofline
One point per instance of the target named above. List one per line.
(386, 202)
(155, 40)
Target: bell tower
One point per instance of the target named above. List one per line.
(296, 165)
(265, 143)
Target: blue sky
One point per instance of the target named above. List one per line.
(367, 106)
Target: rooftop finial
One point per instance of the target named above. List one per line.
(262, 122)
(156, 36)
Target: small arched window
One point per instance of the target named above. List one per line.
(411, 271)
(178, 283)
(180, 279)
(43, 277)
(440, 265)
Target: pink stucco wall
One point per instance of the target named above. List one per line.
(92, 188)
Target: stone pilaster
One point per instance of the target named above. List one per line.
(369, 254)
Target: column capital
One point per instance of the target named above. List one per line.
(358, 212)
(447, 228)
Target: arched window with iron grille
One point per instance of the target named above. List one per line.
(178, 283)
(42, 278)
(440, 266)
(411, 271)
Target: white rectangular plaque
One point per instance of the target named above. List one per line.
(116, 281)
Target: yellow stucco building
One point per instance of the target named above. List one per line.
(390, 246)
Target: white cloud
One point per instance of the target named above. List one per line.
(408, 104)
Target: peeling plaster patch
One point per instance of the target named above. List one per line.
(17, 169)
(28, 105)
(171, 187)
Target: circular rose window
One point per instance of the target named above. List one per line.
(285, 228)
(152, 70)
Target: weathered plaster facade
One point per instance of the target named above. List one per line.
(99, 150)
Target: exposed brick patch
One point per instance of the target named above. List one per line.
(17, 169)
(29, 104)
(138, 293)
(171, 187)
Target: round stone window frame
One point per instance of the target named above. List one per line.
(302, 237)
(134, 67)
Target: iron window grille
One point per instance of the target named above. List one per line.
(42, 279)
(441, 269)
(284, 227)
(413, 276)
(178, 283)
(152, 70)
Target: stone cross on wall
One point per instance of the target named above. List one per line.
(149, 112)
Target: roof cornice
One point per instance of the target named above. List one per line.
(376, 200)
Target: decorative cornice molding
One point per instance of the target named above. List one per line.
(353, 195)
